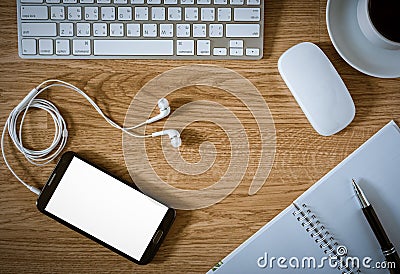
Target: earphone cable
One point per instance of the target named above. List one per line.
(43, 157)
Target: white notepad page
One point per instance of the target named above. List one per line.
(376, 168)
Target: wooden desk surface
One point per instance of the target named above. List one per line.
(31, 242)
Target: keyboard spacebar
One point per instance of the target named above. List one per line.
(133, 47)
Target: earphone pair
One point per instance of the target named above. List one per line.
(42, 157)
(173, 134)
(165, 110)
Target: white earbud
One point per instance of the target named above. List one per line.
(173, 135)
(165, 110)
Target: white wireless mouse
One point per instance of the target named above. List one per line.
(317, 88)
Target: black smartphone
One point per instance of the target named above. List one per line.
(93, 202)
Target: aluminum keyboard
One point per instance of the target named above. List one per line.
(140, 29)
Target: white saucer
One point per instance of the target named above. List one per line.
(351, 44)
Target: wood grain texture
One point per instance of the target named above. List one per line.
(32, 243)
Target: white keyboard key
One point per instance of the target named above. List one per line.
(32, 1)
(116, 30)
(170, 2)
(108, 13)
(253, 2)
(219, 51)
(216, 30)
(199, 30)
(224, 14)
(74, 13)
(141, 13)
(153, 2)
(137, 1)
(103, 1)
(207, 14)
(28, 46)
(203, 47)
(92, 13)
(133, 47)
(38, 29)
(236, 43)
(174, 14)
(203, 2)
(81, 47)
(62, 47)
(149, 30)
(99, 29)
(57, 13)
(50, 1)
(236, 51)
(46, 46)
(191, 14)
(166, 30)
(187, 2)
(252, 51)
(158, 13)
(82, 29)
(66, 29)
(246, 14)
(185, 47)
(70, 1)
(133, 30)
(182, 30)
(86, 1)
(237, 2)
(120, 1)
(220, 2)
(125, 13)
(242, 30)
(34, 12)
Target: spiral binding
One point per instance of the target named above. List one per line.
(321, 236)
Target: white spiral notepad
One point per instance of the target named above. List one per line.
(328, 220)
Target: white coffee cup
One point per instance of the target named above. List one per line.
(369, 30)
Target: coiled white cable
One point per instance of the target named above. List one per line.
(42, 157)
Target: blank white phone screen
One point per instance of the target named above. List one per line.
(106, 208)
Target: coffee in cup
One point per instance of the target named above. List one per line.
(379, 21)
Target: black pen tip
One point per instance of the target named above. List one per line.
(360, 194)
